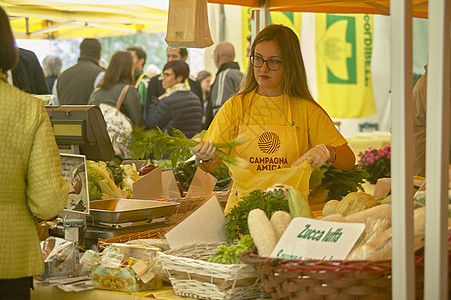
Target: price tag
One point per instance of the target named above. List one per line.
(307, 238)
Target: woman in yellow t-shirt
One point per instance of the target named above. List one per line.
(276, 113)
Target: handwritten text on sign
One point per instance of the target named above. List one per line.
(307, 238)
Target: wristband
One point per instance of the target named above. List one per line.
(203, 161)
(334, 156)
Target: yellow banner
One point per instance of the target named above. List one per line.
(344, 46)
(289, 19)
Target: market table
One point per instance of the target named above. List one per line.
(53, 292)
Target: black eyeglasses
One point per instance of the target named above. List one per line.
(272, 64)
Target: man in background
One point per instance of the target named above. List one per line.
(141, 79)
(156, 89)
(75, 85)
(227, 81)
(28, 75)
(419, 126)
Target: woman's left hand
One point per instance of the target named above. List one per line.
(317, 156)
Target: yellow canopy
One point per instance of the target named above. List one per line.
(69, 19)
(382, 7)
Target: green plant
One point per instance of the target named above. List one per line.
(338, 182)
(376, 162)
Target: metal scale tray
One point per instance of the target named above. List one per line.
(117, 210)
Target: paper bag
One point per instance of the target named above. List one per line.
(188, 24)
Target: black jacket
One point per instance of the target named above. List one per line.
(75, 85)
(28, 74)
(155, 88)
(181, 110)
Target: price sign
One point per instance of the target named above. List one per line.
(307, 238)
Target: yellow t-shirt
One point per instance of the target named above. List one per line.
(313, 125)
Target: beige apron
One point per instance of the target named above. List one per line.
(270, 151)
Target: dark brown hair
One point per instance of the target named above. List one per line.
(119, 69)
(9, 54)
(179, 67)
(295, 77)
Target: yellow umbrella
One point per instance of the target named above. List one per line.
(69, 19)
(331, 6)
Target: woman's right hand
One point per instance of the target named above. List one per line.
(205, 150)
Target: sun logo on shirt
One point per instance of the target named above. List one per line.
(269, 142)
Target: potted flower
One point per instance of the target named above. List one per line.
(376, 162)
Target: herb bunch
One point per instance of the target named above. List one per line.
(338, 182)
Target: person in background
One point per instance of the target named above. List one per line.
(204, 77)
(156, 89)
(141, 79)
(152, 70)
(52, 69)
(419, 95)
(28, 75)
(75, 85)
(31, 182)
(277, 115)
(119, 74)
(179, 107)
(227, 81)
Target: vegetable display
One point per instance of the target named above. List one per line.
(270, 202)
(231, 254)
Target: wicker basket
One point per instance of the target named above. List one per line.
(192, 276)
(156, 233)
(186, 207)
(328, 280)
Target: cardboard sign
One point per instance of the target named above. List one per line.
(307, 238)
(149, 186)
(170, 188)
(206, 224)
(202, 184)
(76, 175)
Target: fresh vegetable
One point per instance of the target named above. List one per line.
(280, 221)
(156, 143)
(330, 207)
(116, 172)
(299, 207)
(98, 174)
(355, 202)
(338, 182)
(231, 254)
(369, 215)
(130, 176)
(262, 232)
(236, 221)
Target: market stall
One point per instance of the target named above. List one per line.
(438, 132)
(403, 285)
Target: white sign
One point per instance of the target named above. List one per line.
(307, 238)
(75, 173)
(205, 224)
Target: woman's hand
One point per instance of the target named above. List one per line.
(317, 156)
(205, 150)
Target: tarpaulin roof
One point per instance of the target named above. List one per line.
(68, 19)
(330, 6)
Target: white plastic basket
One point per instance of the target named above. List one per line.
(192, 276)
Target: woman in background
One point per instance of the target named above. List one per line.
(204, 78)
(177, 108)
(119, 74)
(31, 182)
